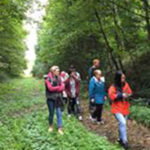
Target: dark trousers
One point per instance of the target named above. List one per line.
(65, 99)
(92, 107)
(74, 106)
(97, 113)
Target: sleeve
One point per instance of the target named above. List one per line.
(77, 79)
(78, 76)
(50, 87)
(128, 89)
(67, 88)
(113, 94)
(90, 72)
(61, 87)
(91, 89)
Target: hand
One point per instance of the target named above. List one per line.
(74, 75)
(105, 98)
(92, 100)
(125, 95)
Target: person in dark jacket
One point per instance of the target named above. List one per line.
(97, 96)
(72, 87)
(54, 88)
(96, 65)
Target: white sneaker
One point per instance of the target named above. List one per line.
(50, 129)
(80, 118)
(90, 117)
(60, 131)
(100, 122)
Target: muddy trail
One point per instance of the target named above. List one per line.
(138, 135)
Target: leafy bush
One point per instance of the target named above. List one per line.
(141, 114)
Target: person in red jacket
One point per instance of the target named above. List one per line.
(119, 93)
(72, 87)
(54, 89)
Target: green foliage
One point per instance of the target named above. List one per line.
(18, 94)
(68, 37)
(75, 32)
(24, 120)
(141, 114)
(12, 35)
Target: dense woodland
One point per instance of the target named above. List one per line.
(75, 32)
(12, 35)
(117, 32)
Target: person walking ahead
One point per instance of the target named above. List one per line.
(119, 92)
(54, 88)
(96, 65)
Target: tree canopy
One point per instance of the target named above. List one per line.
(76, 31)
(12, 35)
(82, 30)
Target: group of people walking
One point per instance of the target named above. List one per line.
(64, 87)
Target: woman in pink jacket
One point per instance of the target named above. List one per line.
(54, 88)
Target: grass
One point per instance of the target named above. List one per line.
(24, 122)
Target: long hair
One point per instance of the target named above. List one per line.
(117, 80)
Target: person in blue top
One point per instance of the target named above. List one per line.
(97, 96)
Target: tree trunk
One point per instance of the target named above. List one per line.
(108, 47)
(117, 38)
(146, 9)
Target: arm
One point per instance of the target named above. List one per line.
(114, 95)
(50, 87)
(91, 89)
(90, 72)
(129, 91)
(76, 79)
(67, 89)
(61, 87)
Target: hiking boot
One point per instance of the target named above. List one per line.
(125, 146)
(60, 131)
(50, 129)
(120, 141)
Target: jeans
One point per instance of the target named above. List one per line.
(51, 108)
(122, 127)
(97, 114)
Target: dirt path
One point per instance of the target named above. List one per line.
(138, 135)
